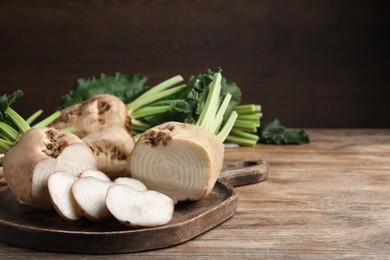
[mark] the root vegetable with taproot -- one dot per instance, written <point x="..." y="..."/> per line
<point x="39" y="153"/>
<point x="183" y="161"/>
<point x="32" y="154"/>
<point x="112" y="147"/>
<point x="93" y="115"/>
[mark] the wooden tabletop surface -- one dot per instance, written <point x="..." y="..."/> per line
<point x="327" y="199"/>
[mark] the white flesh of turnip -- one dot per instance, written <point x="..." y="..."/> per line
<point x="112" y="147"/>
<point x="60" y="189"/>
<point x="90" y="194"/>
<point x="39" y="153"/>
<point x="180" y="160"/>
<point x="94" y="114"/>
<point x="139" y="208"/>
<point x="131" y="182"/>
<point x="94" y="173"/>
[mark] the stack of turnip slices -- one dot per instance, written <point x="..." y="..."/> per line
<point x="94" y="196"/>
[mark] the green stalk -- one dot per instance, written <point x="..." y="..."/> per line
<point x="5" y="145"/>
<point x="211" y="104"/>
<point x="247" y="109"/>
<point x="45" y="122"/>
<point x="138" y="126"/>
<point x="224" y="132"/>
<point x="240" y="140"/>
<point x="246" y="125"/>
<point x="148" y="99"/>
<point x="243" y="134"/>
<point x="34" y="116"/>
<point x="221" y="111"/>
<point x="255" y="117"/>
<point x="18" y="120"/>
<point x="150" y="110"/>
<point x="163" y="86"/>
<point x="70" y="129"/>
<point x="7" y="132"/>
<point x="211" y="116"/>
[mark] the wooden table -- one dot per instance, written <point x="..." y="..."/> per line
<point x="327" y="199"/>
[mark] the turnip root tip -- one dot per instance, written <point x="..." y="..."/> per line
<point x="139" y="208"/>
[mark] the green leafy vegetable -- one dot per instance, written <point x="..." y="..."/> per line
<point x="167" y="102"/>
<point x="12" y="125"/>
<point x="275" y="133"/>
<point x="198" y="90"/>
<point x="125" y="87"/>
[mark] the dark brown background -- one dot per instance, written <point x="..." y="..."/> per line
<point x="311" y="63"/>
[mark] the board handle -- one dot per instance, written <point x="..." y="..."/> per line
<point x="245" y="172"/>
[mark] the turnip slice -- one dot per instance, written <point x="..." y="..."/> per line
<point x="90" y="194"/>
<point x="95" y="173"/>
<point x="112" y="147"/>
<point x="139" y="208"/>
<point x="131" y="182"/>
<point x="73" y="159"/>
<point x="39" y="181"/>
<point x="94" y="114"/>
<point x="38" y="153"/>
<point x="60" y="190"/>
<point x="180" y="160"/>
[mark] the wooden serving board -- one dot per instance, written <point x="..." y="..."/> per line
<point x="23" y="226"/>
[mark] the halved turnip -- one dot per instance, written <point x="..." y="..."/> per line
<point x="95" y="173"/>
<point x="90" y="194"/>
<point x="112" y="147"/>
<point x="139" y="208"/>
<point x="40" y="152"/>
<point x="131" y="182"/>
<point x="60" y="190"/>
<point x="94" y="114"/>
<point x="180" y="160"/>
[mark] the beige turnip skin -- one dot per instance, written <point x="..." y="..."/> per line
<point x="182" y="161"/>
<point x="94" y="114"/>
<point x="39" y="146"/>
<point x="112" y="147"/>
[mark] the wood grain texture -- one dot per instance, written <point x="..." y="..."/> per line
<point x="27" y="227"/>
<point x="325" y="200"/>
<point x="310" y="63"/>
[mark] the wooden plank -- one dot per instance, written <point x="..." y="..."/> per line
<point x="24" y="226"/>
<point x="325" y="200"/>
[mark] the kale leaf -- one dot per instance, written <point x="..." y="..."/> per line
<point x="5" y="103"/>
<point x="125" y="87"/>
<point x="275" y="133"/>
